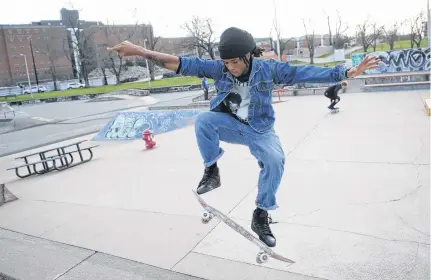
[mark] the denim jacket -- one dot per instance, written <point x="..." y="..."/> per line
<point x="265" y="73"/>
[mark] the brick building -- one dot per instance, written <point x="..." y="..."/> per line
<point x="43" y="43"/>
<point x="176" y="46"/>
<point x="50" y="44"/>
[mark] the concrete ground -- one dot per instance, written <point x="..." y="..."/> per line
<point x="354" y="201"/>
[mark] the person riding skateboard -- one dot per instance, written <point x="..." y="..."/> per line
<point x="332" y="93"/>
<point x="241" y="111"/>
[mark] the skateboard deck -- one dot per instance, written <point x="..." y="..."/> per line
<point x="265" y="251"/>
<point x="333" y="111"/>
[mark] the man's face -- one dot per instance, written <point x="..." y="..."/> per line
<point x="236" y="66"/>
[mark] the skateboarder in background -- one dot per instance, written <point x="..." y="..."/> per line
<point x="205" y="86"/>
<point x="332" y="93"/>
<point x="241" y="112"/>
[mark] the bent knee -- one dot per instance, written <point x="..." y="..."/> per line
<point x="274" y="158"/>
<point x="203" y="118"/>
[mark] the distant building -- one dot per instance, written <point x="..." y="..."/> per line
<point x="46" y="44"/>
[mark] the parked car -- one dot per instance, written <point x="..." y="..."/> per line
<point x="75" y="85"/>
<point x="34" y="89"/>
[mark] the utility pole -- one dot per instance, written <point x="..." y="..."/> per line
<point x="277" y="30"/>
<point x="34" y="65"/>
<point x="428" y="23"/>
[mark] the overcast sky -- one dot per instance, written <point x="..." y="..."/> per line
<point x="252" y="15"/>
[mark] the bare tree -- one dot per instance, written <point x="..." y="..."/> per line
<point x="80" y="49"/>
<point x="114" y="35"/>
<point x="202" y="33"/>
<point x="145" y="34"/>
<point x="377" y="33"/>
<point x="367" y="34"/>
<point x="104" y="63"/>
<point x="310" y="42"/>
<point x="415" y="23"/>
<point x="283" y="44"/>
<point x="390" y="33"/>
<point x="53" y="55"/>
<point x="340" y="30"/>
<point x="330" y="31"/>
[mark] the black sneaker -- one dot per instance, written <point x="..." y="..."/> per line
<point x="260" y="225"/>
<point x="210" y="180"/>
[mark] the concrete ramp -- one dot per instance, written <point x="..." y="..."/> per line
<point x="130" y="125"/>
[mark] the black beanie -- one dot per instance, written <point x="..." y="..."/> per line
<point x="235" y="42"/>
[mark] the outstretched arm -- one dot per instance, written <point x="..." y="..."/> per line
<point x="167" y="61"/>
<point x="288" y="74"/>
<point x="186" y="66"/>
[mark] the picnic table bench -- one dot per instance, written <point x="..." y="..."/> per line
<point x="59" y="158"/>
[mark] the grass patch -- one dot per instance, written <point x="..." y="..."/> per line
<point x="326" y="55"/>
<point x="398" y="45"/>
<point x="177" y="81"/>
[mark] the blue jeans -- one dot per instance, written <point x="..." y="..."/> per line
<point x="213" y="127"/>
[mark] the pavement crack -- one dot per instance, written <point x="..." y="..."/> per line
<point x="361" y="234"/>
<point x="388" y="201"/>
<point x="62" y="274"/>
<point x="412" y="227"/>
<point x="303" y="214"/>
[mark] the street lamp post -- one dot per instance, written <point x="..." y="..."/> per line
<point x="28" y="75"/>
<point x="148" y="69"/>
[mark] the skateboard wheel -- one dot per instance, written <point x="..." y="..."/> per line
<point x="262" y="258"/>
<point x="206" y="217"/>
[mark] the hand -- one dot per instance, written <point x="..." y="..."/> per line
<point x="126" y="49"/>
<point x="369" y="62"/>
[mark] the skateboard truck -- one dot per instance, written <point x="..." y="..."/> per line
<point x="207" y="217"/>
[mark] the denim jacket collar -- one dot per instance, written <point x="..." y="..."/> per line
<point x="255" y="67"/>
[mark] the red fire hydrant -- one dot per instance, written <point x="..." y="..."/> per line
<point x="148" y="136"/>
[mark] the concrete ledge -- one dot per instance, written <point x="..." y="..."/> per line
<point x="396" y="87"/>
<point x="427" y="105"/>
<point x="6" y="196"/>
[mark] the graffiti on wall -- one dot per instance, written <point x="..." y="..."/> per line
<point x="407" y="60"/>
<point x="130" y="125"/>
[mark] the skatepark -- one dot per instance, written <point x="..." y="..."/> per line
<point x="354" y="201"/>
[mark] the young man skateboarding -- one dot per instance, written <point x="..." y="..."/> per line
<point x="241" y="112"/>
<point x="332" y="93"/>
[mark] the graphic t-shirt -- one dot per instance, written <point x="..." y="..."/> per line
<point x="238" y="99"/>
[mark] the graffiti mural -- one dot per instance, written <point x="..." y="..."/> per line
<point x="130" y="125"/>
<point x="407" y="60"/>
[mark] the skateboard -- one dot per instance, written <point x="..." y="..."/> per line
<point x="333" y="111"/>
<point x="265" y="251"/>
